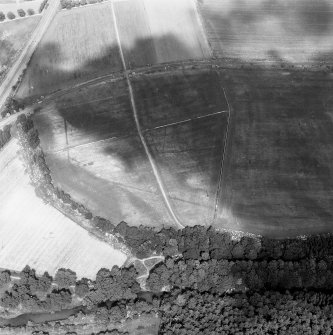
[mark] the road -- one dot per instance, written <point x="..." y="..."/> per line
<point x="22" y="61"/>
<point x="137" y="123"/>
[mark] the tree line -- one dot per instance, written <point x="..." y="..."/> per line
<point x="182" y="310"/>
<point x="5" y="135"/>
<point x="69" y="4"/>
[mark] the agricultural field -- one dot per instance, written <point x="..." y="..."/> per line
<point x="37" y="234"/>
<point x="189" y="156"/>
<point x="94" y="152"/>
<point x="150" y="32"/>
<point x="296" y="32"/>
<point x="13" y="37"/>
<point x="101" y="161"/>
<point x="165" y="98"/>
<point x="185" y="117"/>
<point x="278" y="177"/>
<point x="94" y="113"/>
<point x="79" y="45"/>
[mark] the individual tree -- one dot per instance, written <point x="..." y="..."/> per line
<point x="5" y="135"/>
<point x="44" y="282"/>
<point x="21" y="12"/>
<point x="2" y="16"/>
<point x="59" y="299"/>
<point x="33" y="138"/>
<point x="11" y="15"/>
<point x="82" y="287"/>
<point x="4" y="277"/>
<point x="65" y="278"/>
<point x="42" y="6"/>
<point x="30" y="11"/>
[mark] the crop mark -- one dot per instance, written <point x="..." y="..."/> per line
<point x="219" y="184"/>
<point x="137" y="123"/>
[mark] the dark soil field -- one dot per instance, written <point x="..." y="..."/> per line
<point x="91" y="114"/>
<point x="278" y="179"/>
<point x="173" y="97"/>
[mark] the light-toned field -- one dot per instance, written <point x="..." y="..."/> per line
<point x="293" y="31"/>
<point x="79" y="45"/>
<point x="113" y="179"/>
<point x="278" y="177"/>
<point x="159" y="31"/>
<point x="34" y="233"/>
<point x="13" y="37"/>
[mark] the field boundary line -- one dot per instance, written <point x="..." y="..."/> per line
<point x="226" y="137"/>
<point x="143" y="141"/>
<point x="203" y="27"/>
<point x="184" y="121"/>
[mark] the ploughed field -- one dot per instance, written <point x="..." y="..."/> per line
<point x="35" y="233"/>
<point x="13" y="37"/>
<point x="298" y="31"/>
<point x="95" y="153"/>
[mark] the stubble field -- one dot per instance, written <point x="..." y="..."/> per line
<point x="297" y="32"/>
<point x="79" y="45"/>
<point x="34" y="233"/>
